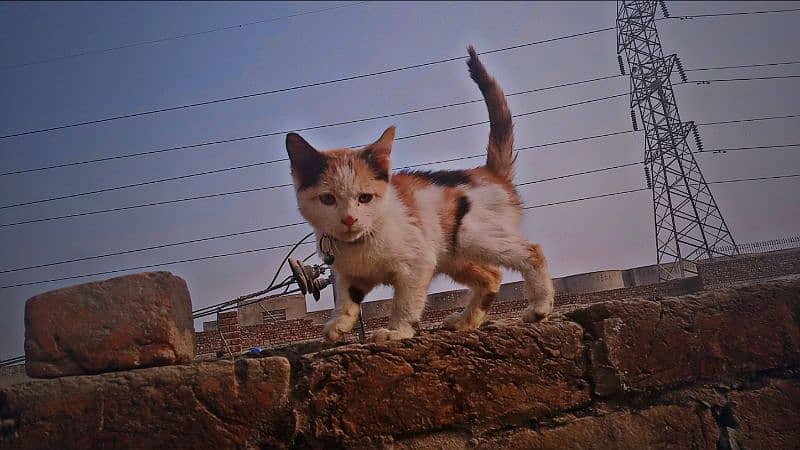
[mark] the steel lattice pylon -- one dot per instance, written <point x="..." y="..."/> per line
<point x="688" y="223"/>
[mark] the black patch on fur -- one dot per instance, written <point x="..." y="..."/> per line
<point x="380" y="173"/>
<point x="487" y="300"/>
<point x="356" y="294"/>
<point x="461" y="210"/>
<point x="448" y="178"/>
<point x="307" y="163"/>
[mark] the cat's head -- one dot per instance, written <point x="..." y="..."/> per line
<point x="342" y="192"/>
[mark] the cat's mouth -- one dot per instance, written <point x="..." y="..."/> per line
<point x="351" y="235"/>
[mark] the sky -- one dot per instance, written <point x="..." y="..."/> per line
<point x="41" y="89"/>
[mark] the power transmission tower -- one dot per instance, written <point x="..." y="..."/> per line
<point x="688" y="223"/>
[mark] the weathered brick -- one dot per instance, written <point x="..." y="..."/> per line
<point x="768" y="418"/>
<point x="203" y="405"/>
<point x="446" y="379"/>
<point x="128" y="322"/>
<point x="647" y="344"/>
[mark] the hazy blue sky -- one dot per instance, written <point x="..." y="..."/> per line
<point x="615" y="232"/>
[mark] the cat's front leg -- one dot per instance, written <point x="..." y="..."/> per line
<point x="348" y="308"/>
<point x="410" y="295"/>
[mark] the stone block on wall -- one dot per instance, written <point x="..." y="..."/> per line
<point x="128" y="322"/>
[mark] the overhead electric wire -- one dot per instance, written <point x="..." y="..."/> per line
<point x="591" y="197"/>
<point x="739" y="13"/>
<point x="176" y="37"/>
<point x="541" y="205"/>
<point x="262" y="163"/>
<point x="309" y="128"/>
<point x="240" y="233"/>
<point x="724" y="80"/>
<point x="757" y="147"/>
<point x="412" y="136"/>
<point x="263" y="188"/>
<point x="743" y="66"/>
<point x="358" y="76"/>
<point x="294" y="88"/>
<point x="150" y="266"/>
<point x="364" y="119"/>
<point x="155" y="247"/>
<point x="208" y="238"/>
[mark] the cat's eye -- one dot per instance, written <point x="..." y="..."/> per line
<point x="364" y="198"/>
<point x="327" y="199"/>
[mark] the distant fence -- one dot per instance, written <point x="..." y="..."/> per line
<point x="764" y="246"/>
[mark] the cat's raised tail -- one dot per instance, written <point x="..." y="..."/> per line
<point x="500" y="151"/>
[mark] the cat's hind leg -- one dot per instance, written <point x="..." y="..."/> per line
<point x="484" y="283"/>
<point x="509" y="249"/>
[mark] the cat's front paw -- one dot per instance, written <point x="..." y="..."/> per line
<point x="331" y="331"/>
<point x="463" y="321"/>
<point x="384" y="335"/>
<point x="534" y="314"/>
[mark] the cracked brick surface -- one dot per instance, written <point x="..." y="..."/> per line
<point x="128" y="322"/>
<point x="641" y="344"/>
<point x="504" y="372"/>
<point x="768" y="418"/>
<point x="657" y="427"/>
<point x="207" y="405"/>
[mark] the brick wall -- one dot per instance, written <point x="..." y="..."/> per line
<point x="715" y="273"/>
<point x="280" y="333"/>
<point x="726" y="271"/>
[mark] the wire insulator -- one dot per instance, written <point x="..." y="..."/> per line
<point x="621" y="65"/>
<point x="681" y="72"/>
<point x="697" y="140"/>
<point x="633" y="120"/>
<point x="664" y="9"/>
<point x="647" y="178"/>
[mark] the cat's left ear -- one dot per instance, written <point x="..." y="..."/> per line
<point x="378" y="154"/>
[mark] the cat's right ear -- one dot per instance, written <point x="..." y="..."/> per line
<point x="307" y="163"/>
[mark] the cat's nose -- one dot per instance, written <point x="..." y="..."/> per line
<point x="349" y="221"/>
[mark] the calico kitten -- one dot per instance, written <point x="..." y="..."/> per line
<point x="401" y="229"/>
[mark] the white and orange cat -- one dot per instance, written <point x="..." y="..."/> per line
<point x="401" y="229"/>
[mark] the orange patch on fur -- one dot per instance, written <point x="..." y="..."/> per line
<point x="537" y="258"/>
<point x="479" y="276"/>
<point x="405" y="185"/>
<point x="482" y="176"/>
<point x="482" y="278"/>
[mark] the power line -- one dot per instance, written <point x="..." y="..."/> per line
<point x="262" y="163"/>
<point x="313" y="127"/>
<point x="240" y="233"/>
<point x="144" y="205"/>
<point x="154" y="247"/>
<point x="176" y="37"/>
<point x="725" y="80"/>
<point x="224" y="255"/>
<point x="743" y="66"/>
<point x="592" y="197"/>
<point x="263" y="188"/>
<point x="150" y="266"/>
<point x="774" y="177"/>
<point x="162" y="180"/>
<point x="354" y="77"/>
<point x="741" y="13"/>
<point x="353" y="121"/>
<point x="757" y="147"/>
<point x="292" y="88"/>
<point x="752" y="119"/>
